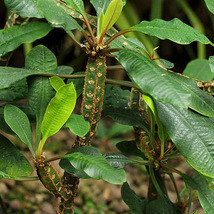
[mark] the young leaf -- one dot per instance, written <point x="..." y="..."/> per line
<point x="56" y="15"/>
<point x="56" y="83"/>
<point x="192" y="134"/>
<point x="13" y="37"/>
<point x="111" y="15"/>
<point x="58" y="111"/>
<point x="210" y="5"/>
<point x="78" y="125"/>
<point x="97" y="167"/>
<point x="40" y="92"/>
<point x="199" y="69"/>
<point x="25" y="8"/>
<point x="19" y="123"/>
<point x="77" y="5"/>
<point x="174" y="30"/>
<point x="12" y="161"/>
<point x="136" y="204"/>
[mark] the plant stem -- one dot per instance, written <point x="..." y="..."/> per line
<point x="120" y="33"/>
<point x="27" y="48"/>
<point x="73" y="38"/>
<point x="27" y="178"/>
<point x="53" y="159"/>
<point x="89" y="28"/>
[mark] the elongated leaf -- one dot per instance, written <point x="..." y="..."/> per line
<point x="205" y="194"/>
<point x="165" y="86"/>
<point x="96" y="166"/>
<point x="77" y="5"/>
<point x="25" y="8"/>
<point x="19" y="123"/>
<point x="12" y="161"/>
<point x="58" y="111"/>
<point x="192" y="134"/>
<point x="56" y="83"/>
<point x="118" y="160"/>
<point x="199" y="69"/>
<point x="13" y="37"/>
<point x="126" y="117"/>
<point x="77" y="124"/>
<point x="162" y="206"/>
<point x="66" y="165"/>
<point x="210" y="5"/>
<point x="136" y="204"/>
<point x="152" y="79"/>
<point x="111" y="15"/>
<point x="15" y="92"/>
<point x="40" y="59"/>
<point x="56" y="15"/>
<point x="64" y="70"/>
<point x="174" y="30"/>
<point x="101" y="6"/>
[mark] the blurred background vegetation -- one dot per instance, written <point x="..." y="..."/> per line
<point x="100" y="197"/>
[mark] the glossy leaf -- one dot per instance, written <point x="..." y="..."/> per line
<point x="129" y="148"/>
<point x="111" y="15"/>
<point x="192" y="134"/>
<point x="3" y="125"/>
<point x="77" y="124"/>
<point x="174" y="30"/>
<point x="56" y="83"/>
<point x="134" y="44"/>
<point x="210" y="5"/>
<point x="19" y="123"/>
<point x="15" y="92"/>
<point x="101" y="6"/>
<point x="199" y="69"/>
<point x="56" y="15"/>
<point x="26" y="8"/>
<point x="162" y="206"/>
<point x="12" y="161"/>
<point x="42" y="60"/>
<point x="165" y="86"/>
<point x="58" y="111"/>
<point x="77" y="5"/>
<point x="13" y="37"/>
<point x="96" y="166"/>
<point x="118" y="160"/>
<point x="136" y="204"/>
<point x="64" y="70"/>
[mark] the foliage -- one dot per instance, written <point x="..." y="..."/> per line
<point x="168" y="112"/>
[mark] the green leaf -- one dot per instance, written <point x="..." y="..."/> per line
<point x="66" y="165"/>
<point x="118" y="129"/>
<point x="19" y="123"/>
<point x="211" y="63"/>
<point x="199" y="69"/>
<point x="111" y="15"/>
<point x="210" y="5"/>
<point x="96" y="166"/>
<point x="77" y="5"/>
<point x="126" y="117"/>
<point x="64" y="70"/>
<point x="12" y="161"/>
<point x="129" y="148"/>
<point x="101" y="6"/>
<point x="166" y="64"/>
<point x="162" y="206"/>
<point x="15" y="92"/>
<point x="56" y="83"/>
<point x="26" y="8"/>
<point x="136" y="204"/>
<point x="161" y="129"/>
<point x="13" y="37"/>
<point x="174" y="30"/>
<point x="56" y="15"/>
<point x="118" y="160"/>
<point x="58" y="111"/>
<point x="42" y="60"/>
<point x="77" y="124"/>
<point x="3" y="125"/>
<point x="192" y="134"/>
<point x="134" y="44"/>
<point x="116" y="97"/>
